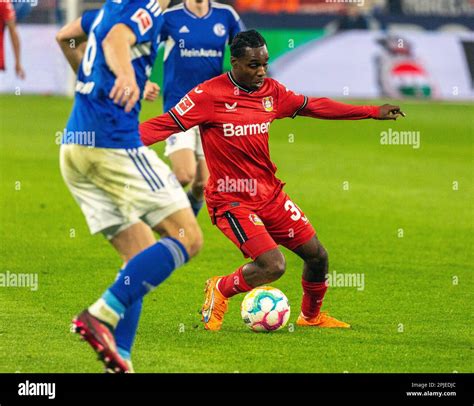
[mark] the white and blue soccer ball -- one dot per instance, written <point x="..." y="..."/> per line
<point x="265" y="309"/>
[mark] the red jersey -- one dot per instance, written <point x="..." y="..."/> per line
<point x="7" y="13"/>
<point x="234" y="124"/>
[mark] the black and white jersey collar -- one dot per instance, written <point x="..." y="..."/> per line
<point x="234" y="82"/>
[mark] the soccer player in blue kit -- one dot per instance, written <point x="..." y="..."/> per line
<point x="123" y="189"/>
<point x="195" y="34"/>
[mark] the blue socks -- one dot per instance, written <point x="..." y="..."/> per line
<point x="196" y="204"/>
<point x="120" y="306"/>
<point x="127" y="329"/>
<point x="144" y="272"/>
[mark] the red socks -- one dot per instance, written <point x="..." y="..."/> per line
<point x="233" y="284"/>
<point x="313" y="294"/>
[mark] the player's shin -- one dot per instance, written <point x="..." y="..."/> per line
<point x="127" y="329"/>
<point x="313" y="295"/>
<point x="143" y="273"/>
<point x="314" y="284"/>
<point x="233" y="284"/>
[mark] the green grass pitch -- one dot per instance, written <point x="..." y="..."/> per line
<point x="398" y="216"/>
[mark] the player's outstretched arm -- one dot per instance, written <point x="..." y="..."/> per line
<point x="332" y="110"/>
<point x="116" y="46"/>
<point x="72" y="41"/>
<point x="196" y="108"/>
<point x="158" y="129"/>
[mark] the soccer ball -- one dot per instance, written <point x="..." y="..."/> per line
<point x="265" y="309"/>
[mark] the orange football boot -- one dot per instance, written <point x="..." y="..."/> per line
<point x="215" y="305"/>
<point x="321" y="320"/>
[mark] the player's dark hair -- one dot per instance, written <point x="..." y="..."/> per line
<point x="244" y="40"/>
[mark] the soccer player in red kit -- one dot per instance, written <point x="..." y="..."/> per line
<point x="7" y="18"/>
<point x="245" y="199"/>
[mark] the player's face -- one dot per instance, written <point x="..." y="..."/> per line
<point x="251" y="69"/>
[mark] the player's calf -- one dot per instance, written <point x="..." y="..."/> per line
<point x="266" y="268"/>
<point x="316" y="264"/>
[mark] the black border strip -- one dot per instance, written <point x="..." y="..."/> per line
<point x="173" y="116"/>
<point x="305" y="103"/>
<point x="236" y="227"/>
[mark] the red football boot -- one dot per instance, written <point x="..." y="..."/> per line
<point x="101" y="339"/>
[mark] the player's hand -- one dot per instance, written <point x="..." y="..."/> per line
<point x="152" y="91"/>
<point x="125" y="91"/>
<point x="390" y="112"/>
<point x="19" y="71"/>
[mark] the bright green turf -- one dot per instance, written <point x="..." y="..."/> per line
<point x="408" y="280"/>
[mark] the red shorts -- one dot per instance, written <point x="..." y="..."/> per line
<point x="256" y="231"/>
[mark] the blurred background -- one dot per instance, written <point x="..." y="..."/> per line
<point x="353" y="48"/>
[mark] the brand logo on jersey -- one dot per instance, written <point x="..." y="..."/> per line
<point x="200" y="53"/>
<point x="219" y="30"/>
<point x="268" y="103"/>
<point x="184" y="30"/>
<point x="255" y="219"/>
<point x="247" y="129"/>
<point x="230" y="107"/>
<point x="197" y="90"/>
<point x="184" y="105"/>
<point x="143" y="20"/>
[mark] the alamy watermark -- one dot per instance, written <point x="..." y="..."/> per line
<point x="19" y="280"/>
<point x="37" y="389"/>
<point x="85" y="138"/>
<point x="391" y="137"/>
<point x="230" y="185"/>
<point x="346" y="280"/>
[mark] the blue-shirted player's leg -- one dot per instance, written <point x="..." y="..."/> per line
<point x="127" y="329"/>
<point x="142" y="273"/>
<point x="128" y="243"/>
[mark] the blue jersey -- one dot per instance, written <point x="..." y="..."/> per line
<point x="194" y="47"/>
<point x="94" y="115"/>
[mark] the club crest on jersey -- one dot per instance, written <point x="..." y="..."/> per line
<point x="268" y="103"/>
<point x="255" y="219"/>
<point x="219" y="30"/>
<point x="143" y="20"/>
<point x="184" y="105"/>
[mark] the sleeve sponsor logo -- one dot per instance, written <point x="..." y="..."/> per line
<point x="143" y="20"/>
<point x="184" y="105"/>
